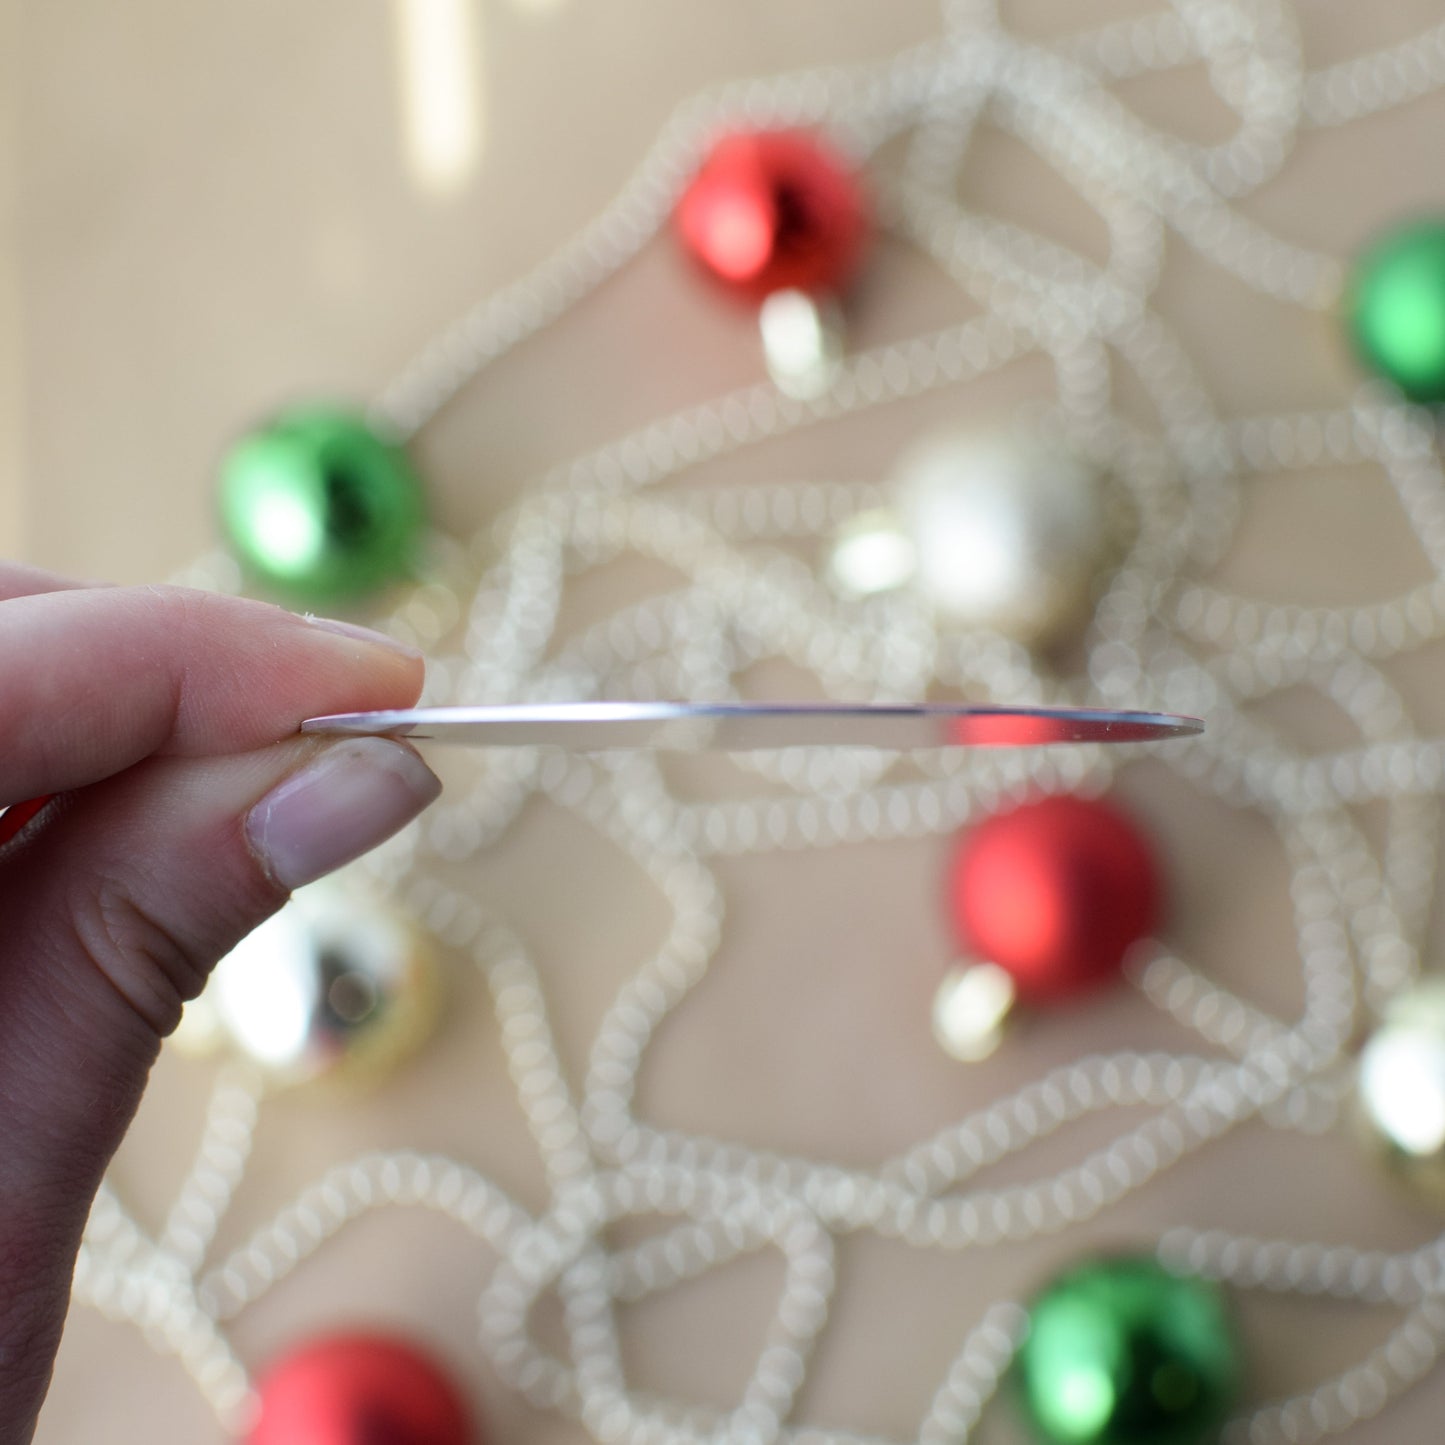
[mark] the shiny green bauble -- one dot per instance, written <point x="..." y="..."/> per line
<point x="320" y="508"/>
<point x="1121" y="1352"/>
<point x="1397" y="309"/>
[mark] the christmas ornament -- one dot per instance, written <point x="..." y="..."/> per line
<point x="1401" y="1086"/>
<point x="358" y="1389"/>
<point x="1121" y="1352"/>
<point x="1054" y="892"/>
<point x="1008" y="532"/>
<point x="334" y="984"/>
<point x="774" y="211"/>
<point x="1396" y="309"/>
<point x="321" y="507"/>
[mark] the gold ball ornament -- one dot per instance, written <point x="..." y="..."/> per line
<point x="1009" y="532"/>
<point x="336" y="985"/>
<point x="1401" y="1088"/>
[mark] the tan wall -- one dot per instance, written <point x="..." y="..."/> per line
<point x="12" y="531"/>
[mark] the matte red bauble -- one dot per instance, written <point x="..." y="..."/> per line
<point x="358" y="1389"/>
<point x="1055" y="892"/>
<point x="772" y="211"/>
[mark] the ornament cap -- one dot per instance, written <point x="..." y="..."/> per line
<point x="802" y="342"/>
<point x="970" y="1009"/>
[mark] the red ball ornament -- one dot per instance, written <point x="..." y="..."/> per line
<point x="358" y="1389"/>
<point x="772" y="211"/>
<point x="1055" y="892"/>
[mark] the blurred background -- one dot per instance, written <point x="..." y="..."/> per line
<point x="207" y="212"/>
<point x="216" y="213"/>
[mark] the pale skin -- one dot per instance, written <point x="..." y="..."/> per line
<point x="165" y="722"/>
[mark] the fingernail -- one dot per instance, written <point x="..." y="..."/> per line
<point x="360" y="634"/>
<point x="349" y="798"/>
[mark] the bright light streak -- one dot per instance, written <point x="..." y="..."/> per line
<point x="439" y="55"/>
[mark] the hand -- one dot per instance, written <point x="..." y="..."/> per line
<point x="187" y="807"/>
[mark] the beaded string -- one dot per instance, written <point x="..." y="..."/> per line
<point x="1162" y="636"/>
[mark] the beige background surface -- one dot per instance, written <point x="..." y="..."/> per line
<point x="214" y="214"/>
<point x="12" y="490"/>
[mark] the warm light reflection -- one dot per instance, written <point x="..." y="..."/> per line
<point x="439" y="55"/>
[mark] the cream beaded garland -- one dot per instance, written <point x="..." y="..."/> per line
<point x="1162" y="635"/>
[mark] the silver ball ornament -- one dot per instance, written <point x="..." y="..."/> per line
<point x="336" y="984"/>
<point x="1009" y="531"/>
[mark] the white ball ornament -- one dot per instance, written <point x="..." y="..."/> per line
<point x="1008" y="532"/>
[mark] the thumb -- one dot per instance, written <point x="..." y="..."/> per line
<point x="116" y="903"/>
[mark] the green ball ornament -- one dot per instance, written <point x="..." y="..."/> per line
<point x="1396" y="309"/>
<point x="1121" y="1352"/>
<point x="320" y="508"/>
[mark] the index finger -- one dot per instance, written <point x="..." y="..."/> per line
<point x="93" y="680"/>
